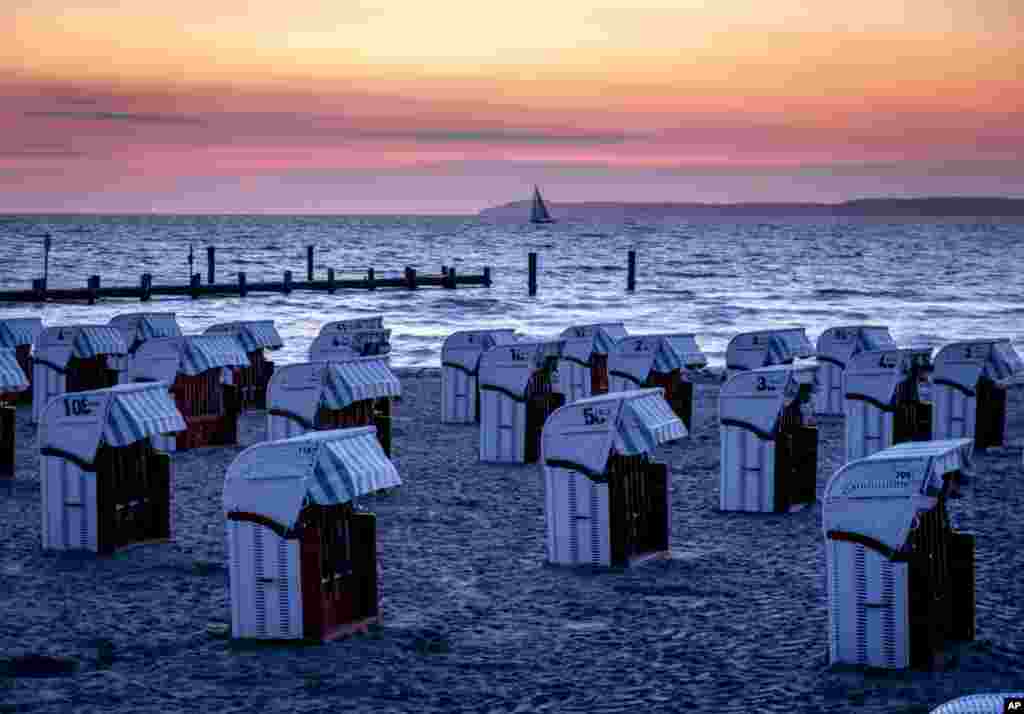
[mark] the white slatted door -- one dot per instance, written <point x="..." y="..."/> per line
<point x="502" y="428"/>
<point x="574" y="380"/>
<point x="954" y="413"/>
<point x="46" y="384"/>
<point x="868" y="607"/>
<point x="747" y="480"/>
<point x="75" y="497"/>
<point x="458" y="397"/>
<point x="589" y="541"/>
<point x="265" y="583"/>
<point x="868" y="429"/>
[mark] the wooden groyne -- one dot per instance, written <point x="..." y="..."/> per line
<point x="146" y="289"/>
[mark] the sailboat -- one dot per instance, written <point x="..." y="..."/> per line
<point x="539" y="212"/>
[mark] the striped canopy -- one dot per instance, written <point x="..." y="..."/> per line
<point x="135" y="414"/>
<point x="274" y="479"/>
<point x="253" y="334"/>
<point x="356" y="380"/>
<point x="202" y="352"/>
<point x="581" y="341"/>
<point x="77" y="423"/>
<point x="12" y="377"/>
<point x="18" y="331"/>
<point x="581" y="435"/>
<point x="376" y="322"/>
<point x="95" y="340"/>
<point x="645" y="423"/>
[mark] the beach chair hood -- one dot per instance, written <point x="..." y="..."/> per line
<point x="581" y="435"/>
<point x="164" y="358"/>
<point x="750" y="350"/>
<point x="301" y="389"/>
<point x="12" y="376"/>
<point x="582" y="341"/>
<point x="18" y="331"/>
<point x="636" y="356"/>
<point x="877" y="498"/>
<point x="462" y="349"/>
<point x="962" y="364"/>
<point x="329" y="346"/>
<point x="755" y="400"/>
<point x="354" y="324"/>
<point x="137" y="327"/>
<point x="76" y="424"/>
<point x="873" y="376"/>
<point x="252" y="334"/>
<point x="276" y="479"/>
<point x="838" y="345"/>
<point x="508" y="368"/>
<point x="978" y="704"/>
<point x="57" y="345"/>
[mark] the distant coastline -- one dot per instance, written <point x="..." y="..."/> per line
<point x="932" y="207"/>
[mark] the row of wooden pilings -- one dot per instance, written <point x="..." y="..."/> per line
<point x="630" y="272"/>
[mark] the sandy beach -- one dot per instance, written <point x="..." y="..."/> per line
<point x="475" y="621"/>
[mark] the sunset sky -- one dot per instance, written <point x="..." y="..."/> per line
<point x="389" y="106"/>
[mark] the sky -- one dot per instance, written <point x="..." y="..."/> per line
<point x="395" y="106"/>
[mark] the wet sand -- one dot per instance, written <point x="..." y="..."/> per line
<point x="474" y="620"/>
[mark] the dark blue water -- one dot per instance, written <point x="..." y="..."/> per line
<point x="929" y="282"/>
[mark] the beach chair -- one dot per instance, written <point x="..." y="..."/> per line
<point x="769" y="451"/>
<point x="12" y="383"/>
<point x="607" y="503"/>
<point x="883" y="404"/>
<point x="256" y="338"/>
<point x="969" y="392"/>
<point x="667" y="361"/>
<point x="199" y="372"/>
<point x="104" y="485"/>
<point x="765" y="348"/>
<point x="302" y="558"/>
<point x="517" y="394"/>
<point x="75" y="358"/>
<point x="583" y="367"/>
<point x="836" y="347"/>
<point x="460" y="362"/>
<point x="19" y="334"/>
<point x="900" y="579"/>
<point x="316" y="396"/>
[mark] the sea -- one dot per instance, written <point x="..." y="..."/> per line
<point x="929" y="282"/>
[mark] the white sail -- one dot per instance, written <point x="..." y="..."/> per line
<point x="539" y="212"/>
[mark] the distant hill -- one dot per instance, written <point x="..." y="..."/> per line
<point x="938" y="207"/>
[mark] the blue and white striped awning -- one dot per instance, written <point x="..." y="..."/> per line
<point x="154" y="325"/>
<point x="253" y="334"/>
<point x="202" y="352"/>
<point x="677" y="352"/>
<point x="350" y="468"/>
<point x="95" y="340"/>
<point x="356" y="380"/>
<point x="979" y="704"/>
<point x="18" y="331"/>
<point x="274" y="479"/>
<point x="645" y="423"/>
<point x="12" y="376"/>
<point x="136" y="414"/>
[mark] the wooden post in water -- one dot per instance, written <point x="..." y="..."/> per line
<point x="532" y="260"/>
<point x="410" y="277"/>
<point x="309" y="263"/>
<point x="330" y="281"/>
<point x="211" y="264"/>
<point x="449" y="278"/>
<point x="241" y="284"/>
<point x="631" y="272"/>
<point x="194" y="282"/>
<point x="487" y="276"/>
<point x="145" y="287"/>
<point x="287" y="282"/>
<point x="371" y="281"/>
<point x="93" y="285"/>
<point x="39" y="288"/>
